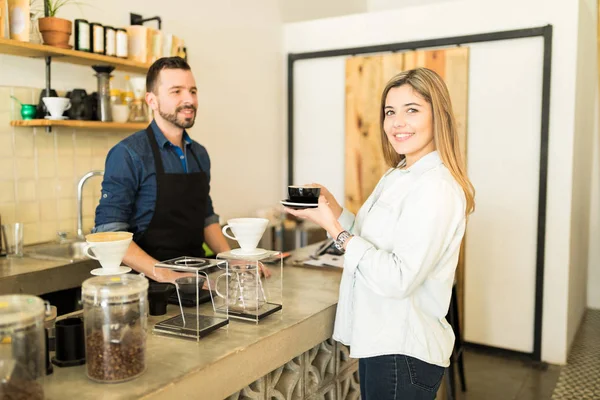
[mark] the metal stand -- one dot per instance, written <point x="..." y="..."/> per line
<point x="187" y="324"/>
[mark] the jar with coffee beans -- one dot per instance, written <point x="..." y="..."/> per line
<point x="115" y="311"/>
<point x="22" y="347"/>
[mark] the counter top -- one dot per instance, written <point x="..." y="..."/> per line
<point x="34" y="276"/>
<point x="228" y="359"/>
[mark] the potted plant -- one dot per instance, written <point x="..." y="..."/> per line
<point x="56" y="31"/>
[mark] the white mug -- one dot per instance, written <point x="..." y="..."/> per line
<point x="247" y="231"/>
<point x="109" y="248"/>
<point x="56" y="105"/>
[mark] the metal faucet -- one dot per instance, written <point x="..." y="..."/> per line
<point x="80" y="200"/>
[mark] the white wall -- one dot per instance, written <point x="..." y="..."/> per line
<point x="304" y="10"/>
<point x="465" y="17"/>
<point x="234" y="49"/>
<point x="593" y="283"/>
<point x="585" y="110"/>
<point x="503" y="147"/>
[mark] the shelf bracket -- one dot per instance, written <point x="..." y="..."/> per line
<point x="137" y="19"/>
<point x="48" y="75"/>
<point x="48" y="65"/>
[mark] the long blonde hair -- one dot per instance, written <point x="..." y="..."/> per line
<point x="432" y="88"/>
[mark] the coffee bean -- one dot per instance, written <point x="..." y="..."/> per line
<point x="20" y="389"/>
<point x="113" y="362"/>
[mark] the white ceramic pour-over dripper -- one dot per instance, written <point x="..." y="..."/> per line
<point x="109" y="248"/>
<point x="247" y="232"/>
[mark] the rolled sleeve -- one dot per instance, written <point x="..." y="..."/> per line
<point x="211" y="219"/>
<point x="119" y="187"/>
<point x="112" y="227"/>
<point x="356" y="248"/>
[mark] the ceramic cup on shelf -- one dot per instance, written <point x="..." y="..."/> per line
<point x="56" y="106"/>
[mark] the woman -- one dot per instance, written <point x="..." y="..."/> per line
<point x="401" y="250"/>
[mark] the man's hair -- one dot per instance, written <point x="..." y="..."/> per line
<point x="159" y="65"/>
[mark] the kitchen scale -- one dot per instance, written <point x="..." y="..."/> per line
<point x="193" y="325"/>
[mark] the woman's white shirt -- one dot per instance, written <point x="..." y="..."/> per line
<point x="399" y="267"/>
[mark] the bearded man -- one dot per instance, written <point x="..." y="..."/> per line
<point x="157" y="181"/>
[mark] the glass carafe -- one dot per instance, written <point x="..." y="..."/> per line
<point x="244" y="291"/>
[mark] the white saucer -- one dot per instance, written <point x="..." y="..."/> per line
<point x="297" y="206"/>
<point x="55" y="118"/>
<point x="104" y="271"/>
<point x="255" y="252"/>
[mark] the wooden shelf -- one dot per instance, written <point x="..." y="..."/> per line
<point x="23" y="49"/>
<point x="131" y="126"/>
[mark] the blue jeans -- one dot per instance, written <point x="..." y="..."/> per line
<point x="398" y="377"/>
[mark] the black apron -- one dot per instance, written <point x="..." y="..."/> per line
<point x="177" y="226"/>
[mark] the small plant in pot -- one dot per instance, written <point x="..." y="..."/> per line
<point x="56" y="31"/>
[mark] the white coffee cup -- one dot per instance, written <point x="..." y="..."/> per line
<point x="247" y="231"/>
<point x="109" y="248"/>
<point x="56" y="105"/>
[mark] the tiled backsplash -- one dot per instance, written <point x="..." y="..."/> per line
<point x="39" y="171"/>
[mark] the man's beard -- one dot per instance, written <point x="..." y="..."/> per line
<point x="182" y="123"/>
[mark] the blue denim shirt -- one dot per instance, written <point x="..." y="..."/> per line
<point x="129" y="186"/>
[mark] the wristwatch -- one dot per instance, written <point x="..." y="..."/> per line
<point x="341" y="240"/>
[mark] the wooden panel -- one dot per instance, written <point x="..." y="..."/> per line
<point x="134" y="126"/>
<point x="34" y="50"/>
<point x="365" y="79"/>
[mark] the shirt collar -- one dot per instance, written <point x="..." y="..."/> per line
<point x="425" y="163"/>
<point x="162" y="141"/>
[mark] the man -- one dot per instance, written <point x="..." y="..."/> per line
<point x="157" y="181"/>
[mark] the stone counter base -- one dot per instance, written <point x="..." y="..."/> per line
<point x="324" y="372"/>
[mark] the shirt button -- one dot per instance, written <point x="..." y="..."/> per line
<point x="104" y="195"/>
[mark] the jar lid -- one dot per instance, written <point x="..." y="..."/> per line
<point x="114" y="289"/>
<point x="20" y="310"/>
<point x="109" y="27"/>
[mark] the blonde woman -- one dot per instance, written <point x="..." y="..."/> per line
<point x="401" y="249"/>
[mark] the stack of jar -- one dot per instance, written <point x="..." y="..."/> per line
<point x="96" y="38"/>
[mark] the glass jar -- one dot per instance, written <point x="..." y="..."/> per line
<point x="22" y="346"/>
<point x="82" y="35"/>
<point x="110" y="41"/>
<point x="115" y="97"/>
<point x="127" y="98"/>
<point x="97" y="38"/>
<point x="121" y="43"/>
<point x="115" y="311"/>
